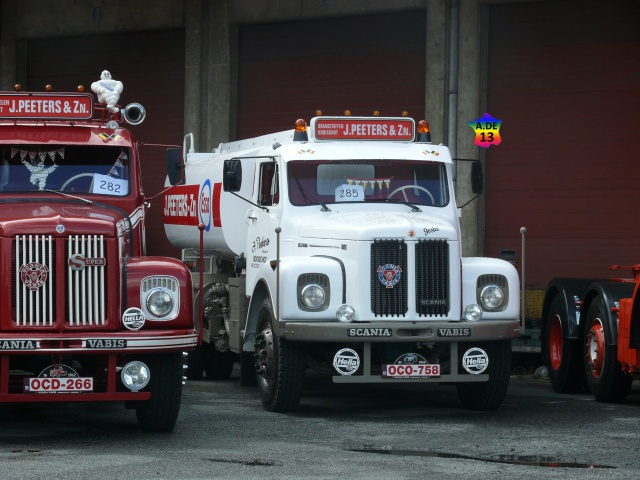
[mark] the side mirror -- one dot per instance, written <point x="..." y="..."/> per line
<point x="477" y="178"/>
<point x="174" y="165"/>
<point x="232" y="175"/>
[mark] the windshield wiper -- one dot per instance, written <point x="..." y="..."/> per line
<point x="311" y="200"/>
<point x="69" y="196"/>
<point x="408" y="204"/>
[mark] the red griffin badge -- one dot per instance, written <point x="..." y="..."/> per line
<point x="34" y="275"/>
<point x="389" y="274"/>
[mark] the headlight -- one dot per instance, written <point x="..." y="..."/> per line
<point x="492" y="292"/>
<point x="313" y="296"/>
<point x="135" y="375"/>
<point x="160" y="297"/>
<point x="159" y="303"/>
<point x="345" y="313"/>
<point x="492" y="297"/>
<point x="313" y="291"/>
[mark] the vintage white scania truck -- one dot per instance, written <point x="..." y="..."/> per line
<point x="335" y="247"/>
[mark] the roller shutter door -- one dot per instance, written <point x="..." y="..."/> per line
<point x="289" y="70"/>
<point x="565" y="81"/>
<point x="151" y="67"/>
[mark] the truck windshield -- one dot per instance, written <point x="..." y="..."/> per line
<point x="322" y="182"/>
<point x="100" y="170"/>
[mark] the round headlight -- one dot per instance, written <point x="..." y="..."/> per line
<point x="312" y="296"/>
<point x="135" y="375"/>
<point x="345" y="313"/>
<point x="472" y="313"/>
<point x="492" y="297"/>
<point x="159" y="303"/>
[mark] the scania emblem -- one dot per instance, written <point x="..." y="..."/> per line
<point x="33" y="275"/>
<point x="78" y="261"/>
<point x="60" y="228"/>
<point x="389" y="274"/>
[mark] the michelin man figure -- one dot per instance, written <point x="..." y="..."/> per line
<point x="108" y="90"/>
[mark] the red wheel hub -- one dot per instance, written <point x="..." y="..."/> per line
<point x="555" y="343"/>
<point x="595" y="347"/>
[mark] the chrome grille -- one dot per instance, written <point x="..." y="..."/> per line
<point x="86" y="286"/>
<point x="36" y="280"/>
<point x="34" y="303"/>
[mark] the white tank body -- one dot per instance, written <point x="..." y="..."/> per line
<point x="201" y="200"/>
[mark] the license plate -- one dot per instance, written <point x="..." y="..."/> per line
<point x="58" y="385"/>
<point x="411" y="371"/>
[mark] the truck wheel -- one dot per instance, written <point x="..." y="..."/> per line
<point x="160" y="412"/>
<point x="280" y="365"/>
<point x="604" y="373"/>
<point x="562" y="355"/>
<point x="219" y="364"/>
<point x="196" y="362"/>
<point x="489" y="395"/>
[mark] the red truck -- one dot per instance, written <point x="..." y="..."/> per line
<point x="85" y="316"/>
<point x="591" y="335"/>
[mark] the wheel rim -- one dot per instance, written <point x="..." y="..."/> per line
<point x="265" y="355"/>
<point x="555" y="342"/>
<point x="595" y="347"/>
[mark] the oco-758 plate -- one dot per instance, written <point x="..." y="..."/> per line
<point x="411" y="371"/>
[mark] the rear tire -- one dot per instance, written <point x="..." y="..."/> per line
<point x="605" y="377"/>
<point x="160" y="412"/>
<point x="280" y="365"/>
<point x="563" y="356"/>
<point x="489" y="395"/>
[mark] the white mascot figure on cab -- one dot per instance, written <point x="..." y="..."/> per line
<point x="108" y="90"/>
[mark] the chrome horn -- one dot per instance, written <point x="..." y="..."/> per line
<point x="134" y="113"/>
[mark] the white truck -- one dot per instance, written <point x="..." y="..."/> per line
<point x="336" y="247"/>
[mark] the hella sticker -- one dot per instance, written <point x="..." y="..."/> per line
<point x="346" y="361"/>
<point x="133" y="318"/>
<point x="475" y="360"/>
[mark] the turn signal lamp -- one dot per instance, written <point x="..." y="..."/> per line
<point x="423" y="132"/>
<point x="300" y="131"/>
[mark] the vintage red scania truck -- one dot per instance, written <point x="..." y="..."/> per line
<point x="84" y="316"/>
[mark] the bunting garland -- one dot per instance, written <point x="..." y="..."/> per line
<point x="365" y="182"/>
<point x="41" y="155"/>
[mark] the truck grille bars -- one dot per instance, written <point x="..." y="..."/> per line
<point x="390" y="274"/>
<point x="36" y="272"/>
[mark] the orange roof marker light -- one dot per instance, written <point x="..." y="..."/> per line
<point x="300" y="131"/>
<point x="318" y="113"/>
<point x="376" y="113"/>
<point x="81" y="88"/>
<point x="17" y="87"/>
<point x="48" y="88"/>
<point x="424" y="136"/>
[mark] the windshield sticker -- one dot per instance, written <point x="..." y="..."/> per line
<point x="106" y="185"/>
<point x="37" y="164"/>
<point x="107" y="138"/>
<point x="487" y="131"/>
<point x="346" y="193"/>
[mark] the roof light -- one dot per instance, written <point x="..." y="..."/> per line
<point x="405" y="113"/>
<point x="17" y="87"/>
<point x="48" y="88"/>
<point x="81" y="88"/>
<point x="423" y="132"/>
<point x="347" y="113"/>
<point x="318" y="113"/>
<point x="300" y="131"/>
<point x="376" y="113"/>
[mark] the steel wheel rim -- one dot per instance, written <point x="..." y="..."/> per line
<point x="595" y="347"/>
<point x="265" y="355"/>
<point x="555" y="343"/>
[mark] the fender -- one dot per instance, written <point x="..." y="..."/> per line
<point x="568" y="289"/>
<point x="474" y="267"/>
<point x="611" y="292"/>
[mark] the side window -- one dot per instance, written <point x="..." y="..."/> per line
<point x="269" y="193"/>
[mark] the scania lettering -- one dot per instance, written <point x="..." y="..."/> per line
<point x="335" y="247"/>
<point x="85" y="316"/>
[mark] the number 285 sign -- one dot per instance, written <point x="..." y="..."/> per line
<point x="350" y="193"/>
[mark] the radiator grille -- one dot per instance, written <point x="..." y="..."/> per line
<point x="432" y="277"/>
<point x="389" y="278"/>
<point x="36" y="280"/>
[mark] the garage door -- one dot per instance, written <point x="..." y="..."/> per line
<point x="565" y="81"/>
<point x="151" y="67"/>
<point x="289" y="70"/>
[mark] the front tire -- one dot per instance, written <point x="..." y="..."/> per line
<point x="160" y="412"/>
<point x="280" y="365"/>
<point x="489" y="395"/>
<point x="605" y="377"/>
<point x="563" y="356"/>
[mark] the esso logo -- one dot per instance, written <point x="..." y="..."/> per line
<point x="204" y="201"/>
